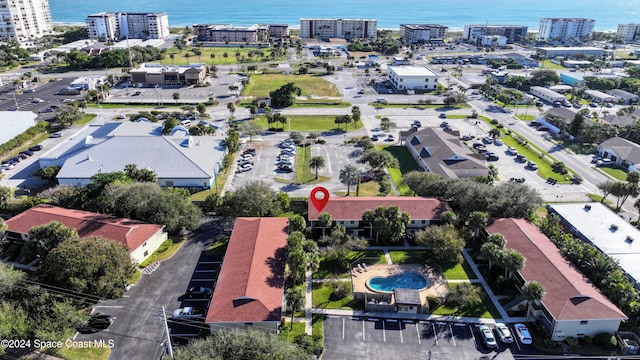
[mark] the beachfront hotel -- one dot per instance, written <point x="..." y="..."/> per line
<point x="325" y="29"/>
<point x="512" y="33"/>
<point x="253" y="34"/>
<point x="628" y="32"/>
<point x="24" y="21"/>
<point x="422" y="33"/>
<point x="115" y="26"/>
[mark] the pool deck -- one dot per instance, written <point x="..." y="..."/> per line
<point x="437" y="285"/>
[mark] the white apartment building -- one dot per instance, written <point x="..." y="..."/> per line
<point x="24" y="20"/>
<point x="324" y="29"/>
<point x="513" y="33"/>
<point x="564" y="30"/>
<point x="413" y="78"/>
<point x="422" y="33"/>
<point x="628" y="32"/>
<point x="114" y="26"/>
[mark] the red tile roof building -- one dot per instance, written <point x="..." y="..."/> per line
<point x="142" y="239"/>
<point x="251" y="283"/>
<point x="572" y="306"/>
<point x="347" y="211"/>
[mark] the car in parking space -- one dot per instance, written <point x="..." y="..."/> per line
<point x="466" y="137"/>
<point x="523" y="334"/>
<point x="37" y="100"/>
<point x="531" y="165"/>
<point x="521" y="158"/>
<point x="487" y="336"/>
<point x="512" y="151"/>
<point x="487" y="140"/>
<point x="609" y="105"/>
<point x="417" y="123"/>
<point x="27" y="153"/>
<point x="96" y="323"/>
<point x="492" y="157"/>
<point x="593" y="105"/>
<point x="250" y="151"/>
<point x="121" y="117"/>
<point x="444" y="124"/>
<point x="442" y="116"/>
<point x="199" y="292"/>
<point x="244" y="168"/>
<point x="56" y="134"/>
<point x="35" y="148"/>
<point x="11" y="108"/>
<point x="243" y="163"/>
<point x="28" y="91"/>
<point x="284" y="157"/>
<point x="47" y="110"/>
<point x="286" y="168"/>
<point x="390" y="137"/>
<point x="54" y="107"/>
<point x="498" y="142"/>
<point x="66" y="101"/>
<point x="374" y="138"/>
<point x="604" y="162"/>
<point x="504" y="334"/>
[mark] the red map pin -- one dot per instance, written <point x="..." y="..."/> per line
<point x="319" y="203"/>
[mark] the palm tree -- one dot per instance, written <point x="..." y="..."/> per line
<point x="225" y="56"/>
<point x="512" y="261"/>
<point x="478" y="221"/>
<point x="324" y="221"/>
<point x="532" y="292"/>
<point x="317" y="163"/>
<point x="495" y="133"/>
<point x="490" y="251"/>
<point x="349" y="175"/>
<point x="213" y="57"/>
<point x="172" y="56"/>
<point x="295" y="298"/>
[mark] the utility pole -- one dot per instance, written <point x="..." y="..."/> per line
<point x="166" y="329"/>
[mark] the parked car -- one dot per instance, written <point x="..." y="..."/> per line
<point x="466" y="137"/>
<point x="47" y="110"/>
<point x="593" y="105"/>
<point x="35" y="148"/>
<point x="54" y="107"/>
<point x="199" y="292"/>
<point x="512" y="151"/>
<point x="417" y="123"/>
<point x="243" y="163"/>
<point x="242" y="169"/>
<point x="284" y="167"/>
<point x="28" y="91"/>
<point x="391" y="137"/>
<point x="498" y="142"/>
<point x="492" y="157"/>
<point x="121" y="117"/>
<point x="609" y="105"/>
<point x="487" y="140"/>
<point x="532" y="165"/>
<point x="477" y="145"/>
<point x="251" y="151"/>
<point x="66" y="101"/>
<point x="523" y="334"/>
<point x="37" y="100"/>
<point x="481" y="149"/>
<point x="374" y="138"/>
<point x="56" y="134"/>
<point x="604" y="162"/>
<point x="504" y="334"/>
<point x="284" y="157"/>
<point x="97" y="322"/>
<point x="521" y="158"/>
<point x="136" y="93"/>
<point x="487" y="336"/>
<point x="442" y="116"/>
<point x="444" y="124"/>
<point x="365" y="178"/>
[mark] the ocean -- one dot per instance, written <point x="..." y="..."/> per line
<point x="389" y="13"/>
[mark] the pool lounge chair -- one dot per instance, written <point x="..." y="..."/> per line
<point x="361" y="268"/>
<point x="366" y="268"/>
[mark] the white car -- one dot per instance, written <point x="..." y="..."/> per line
<point x="523" y="334"/>
<point x="487" y="336"/>
<point x="66" y="101"/>
<point x="512" y="151"/>
<point x="56" y="134"/>
<point x="504" y="334"/>
<point x="498" y="142"/>
<point x="37" y="100"/>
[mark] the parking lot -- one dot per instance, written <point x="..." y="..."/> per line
<point x="371" y="338"/>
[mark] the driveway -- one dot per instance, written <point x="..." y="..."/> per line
<point x="378" y="338"/>
<point x="138" y="329"/>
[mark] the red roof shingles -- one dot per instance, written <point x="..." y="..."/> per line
<point x="128" y="232"/>
<point x="569" y="295"/>
<point x="351" y="208"/>
<point x="251" y="282"/>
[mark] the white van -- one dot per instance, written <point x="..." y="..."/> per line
<point x="185" y="123"/>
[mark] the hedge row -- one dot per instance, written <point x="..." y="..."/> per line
<point x="21" y="139"/>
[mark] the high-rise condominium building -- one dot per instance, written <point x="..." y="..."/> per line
<point x="422" y="33"/>
<point x="114" y="26"/>
<point x="564" y="30"/>
<point x="513" y="33"/>
<point x="24" y="20"/>
<point x="628" y="32"/>
<point x="324" y="29"/>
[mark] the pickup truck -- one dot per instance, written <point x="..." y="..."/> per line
<point x="189" y="313"/>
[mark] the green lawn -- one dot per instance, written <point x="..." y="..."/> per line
<point x="309" y="123"/>
<point x="416" y="106"/>
<point x="165" y="251"/>
<point x="548" y="65"/>
<point x="85" y="119"/>
<point x="408" y="257"/>
<point x="124" y="106"/>
<point x="407" y="164"/>
<point x="333" y="268"/>
<point x="180" y="57"/>
<point x="219" y="247"/>
<point x="484" y="309"/>
<point x="321" y="298"/>
<point x="304" y="173"/>
<point x="287" y="333"/>
<point x="459" y="272"/>
<point x="262" y="85"/>
<point x="598" y="198"/>
<point x="370" y="188"/>
<point x="616" y="172"/>
<point x="92" y="353"/>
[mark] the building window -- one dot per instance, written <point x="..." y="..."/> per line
<point x="584" y="322"/>
<point x="146" y="253"/>
<point x="352" y="222"/>
<point x="145" y="244"/>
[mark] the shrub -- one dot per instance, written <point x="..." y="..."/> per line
<point x="321" y="141"/>
<point x="434" y="302"/>
<point x="586" y="340"/>
<point x="340" y="290"/>
<point x="165" y="246"/>
<point x="606" y="340"/>
<point x="494" y="121"/>
<point x="571" y="341"/>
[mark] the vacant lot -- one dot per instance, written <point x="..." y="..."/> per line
<point x="311" y="85"/>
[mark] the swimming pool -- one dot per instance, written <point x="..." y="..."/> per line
<point x="405" y="280"/>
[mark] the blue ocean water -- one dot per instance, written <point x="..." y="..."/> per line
<point x="389" y="13"/>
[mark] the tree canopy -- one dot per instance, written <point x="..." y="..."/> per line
<point x="444" y="241"/>
<point x="255" y="198"/>
<point x="285" y="95"/>
<point x="95" y="266"/>
<point x="389" y="224"/>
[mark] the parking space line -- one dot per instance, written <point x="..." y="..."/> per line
<point x="435" y="333"/>
<point x="384" y="334"/>
<point x="364" y="336"/>
<point x="400" y="330"/>
<point x="472" y="335"/>
<point x="342" y="328"/>
<point x="453" y="337"/>
<point x="418" y="331"/>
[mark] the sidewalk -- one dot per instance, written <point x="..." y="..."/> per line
<point x="492" y="296"/>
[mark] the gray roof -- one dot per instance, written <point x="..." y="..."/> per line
<point x="407" y="296"/>
<point x="564" y="113"/>
<point x="14" y="123"/>
<point x="619" y="121"/>
<point x="624" y="148"/>
<point x="622" y="94"/>
<point x="444" y="154"/>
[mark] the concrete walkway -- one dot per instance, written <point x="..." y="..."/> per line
<point x="492" y="296"/>
<point x="308" y="303"/>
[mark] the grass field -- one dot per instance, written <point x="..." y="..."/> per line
<point x="287" y="333"/>
<point x="408" y="257"/>
<point x="370" y="188"/>
<point x="332" y="268"/>
<point x="186" y="56"/>
<point x="485" y="309"/>
<point x="310" y="85"/>
<point x="309" y="123"/>
<point x="322" y="298"/>
<point x="92" y="353"/>
<point x="304" y="173"/>
<point x="617" y="173"/>
<point x="407" y="164"/>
